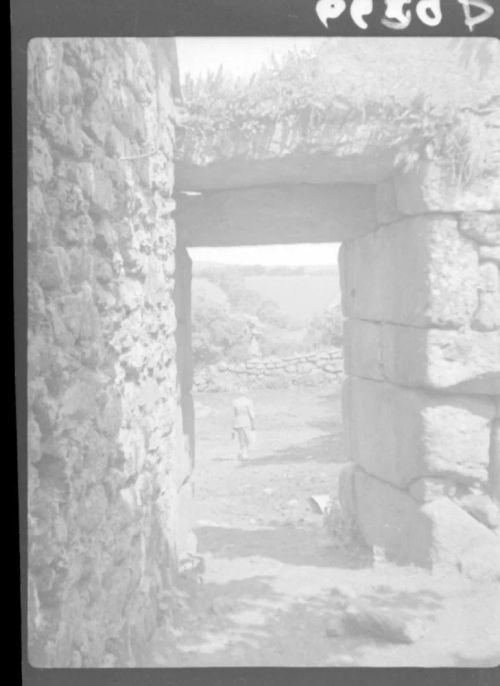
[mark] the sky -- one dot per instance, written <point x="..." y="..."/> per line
<point x="239" y="56"/>
<point x="294" y="255"/>
<point x="242" y="56"/>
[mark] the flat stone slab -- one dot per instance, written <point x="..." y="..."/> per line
<point x="439" y="535"/>
<point x="291" y="213"/>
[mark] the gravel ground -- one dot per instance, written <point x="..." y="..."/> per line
<point x="274" y="583"/>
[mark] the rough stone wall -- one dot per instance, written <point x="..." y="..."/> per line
<point x="101" y="367"/>
<point x="184" y="425"/>
<point x="422" y="348"/>
<point x="308" y="369"/>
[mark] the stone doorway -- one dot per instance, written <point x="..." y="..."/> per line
<point x="420" y="411"/>
<point x="286" y="214"/>
<point x="419" y="421"/>
<point x="418" y="265"/>
<point x="412" y="193"/>
<point x="285" y="298"/>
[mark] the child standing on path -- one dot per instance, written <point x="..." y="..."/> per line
<point x="244" y="422"/>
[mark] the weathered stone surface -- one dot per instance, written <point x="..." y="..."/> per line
<point x="387" y="210"/>
<point x="494" y="469"/>
<point x="53" y="268"/>
<point x="34" y="438"/>
<point x="437" y="534"/>
<point x="481" y="561"/>
<point x="363" y="349"/>
<point x="347" y="491"/>
<point x="419" y="272"/>
<point x="433" y="188"/>
<point x="489" y="253"/>
<point x="184" y="522"/>
<point x="482" y="508"/>
<point x="360" y="271"/>
<point x="428" y="489"/>
<point x="487" y="317"/>
<point x="281" y="214"/>
<point x="347" y="425"/>
<point x="481" y="227"/>
<point x="41" y="167"/>
<point x="401" y="435"/>
<point x="489" y="274"/>
<point x="100" y="417"/>
<point x="388" y="518"/>
<point x="383" y="623"/>
<point x="436" y="358"/>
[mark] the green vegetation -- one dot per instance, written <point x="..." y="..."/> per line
<point x="326" y="329"/>
<point x="226" y="315"/>
<point x="302" y="94"/>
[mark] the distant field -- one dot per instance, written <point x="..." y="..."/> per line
<point x="300" y="296"/>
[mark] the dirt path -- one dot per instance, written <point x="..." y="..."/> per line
<point x="272" y="581"/>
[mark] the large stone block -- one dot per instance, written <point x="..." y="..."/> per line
<point x="489" y="277"/>
<point x="433" y="187"/>
<point x="279" y="214"/>
<point x="481" y="507"/>
<point x="386" y="203"/>
<point x="347" y="491"/>
<point x="363" y="349"/>
<point x="483" y="227"/>
<point x="487" y="317"/>
<point x="437" y="358"/>
<point x="346" y="418"/>
<point x="428" y="489"/>
<point x="481" y="560"/>
<point x="437" y="534"/>
<point x="490" y="253"/>
<point x="361" y="274"/>
<point x="400" y="435"/>
<point x="418" y="272"/>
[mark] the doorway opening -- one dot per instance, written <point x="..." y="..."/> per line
<point x="266" y="322"/>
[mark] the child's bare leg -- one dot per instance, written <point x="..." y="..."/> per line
<point x="241" y="445"/>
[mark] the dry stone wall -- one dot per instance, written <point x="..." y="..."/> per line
<point x="308" y="369"/>
<point x="102" y="381"/>
<point x="422" y="349"/>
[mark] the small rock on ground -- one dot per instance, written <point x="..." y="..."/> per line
<point x="382" y="624"/>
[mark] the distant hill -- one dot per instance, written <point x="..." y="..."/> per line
<point x="202" y="268"/>
<point x="302" y="296"/>
<point x="300" y="292"/>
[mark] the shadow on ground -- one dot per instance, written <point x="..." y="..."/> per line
<point x="292" y="544"/>
<point x="424" y="601"/>
<point x="324" y="449"/>
<point x="246" y="622"/>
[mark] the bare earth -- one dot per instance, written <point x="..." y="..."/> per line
<point x="273" y="580"/>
